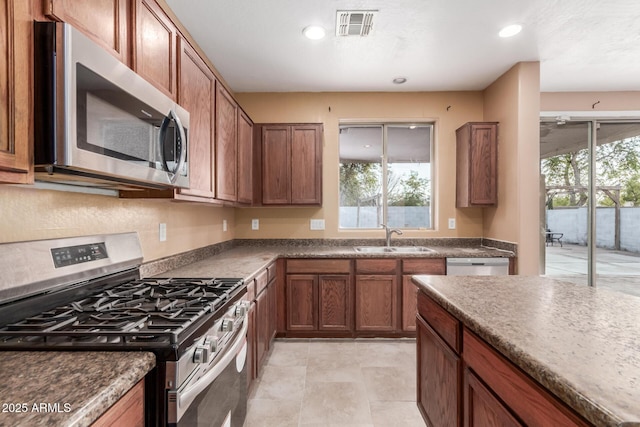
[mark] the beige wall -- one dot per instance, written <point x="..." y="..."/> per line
<point x="514" y="101"/>
<point x="584" y="101"/>
<point x="31" y="214"/>
<point x="329" y="109"/>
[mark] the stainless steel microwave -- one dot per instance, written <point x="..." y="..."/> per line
<point x="97" y="123"/>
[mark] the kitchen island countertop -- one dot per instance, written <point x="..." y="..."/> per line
<point x="55" y="388"/>
<point x="580" y="343"/>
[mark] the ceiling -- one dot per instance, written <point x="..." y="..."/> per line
<point x="258" y="46"/>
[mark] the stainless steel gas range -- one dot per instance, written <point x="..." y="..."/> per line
<point x="85" y="293"/>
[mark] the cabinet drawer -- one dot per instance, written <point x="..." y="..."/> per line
<point x="531" y="403"/>
<point x="261" y="281"/>
<point x="271" y="271"/>
<point x="376" y="266"/>
<point x="321" y="266"/>
<point x="447" y="326"/>
<point x="423" y="266"/>
<point x="251" y="290"/>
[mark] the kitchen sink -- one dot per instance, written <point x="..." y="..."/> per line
<point x="392" y="249"/>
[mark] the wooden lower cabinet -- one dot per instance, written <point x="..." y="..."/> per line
<point x="439" y="371"/>
<point x="376" y="302"/>
<point x="431" y="266"/>
<point x="334" y="303"/>
<point x="318" y="302"/>
<point x="302" y="297"/>
<point x="490" y="392"/>
<point x="482" y="408"/>
<point x="128" y="411"/>
<point x="262" y="320"/>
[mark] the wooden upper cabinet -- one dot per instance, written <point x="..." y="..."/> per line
<point x="155" y="46"/>
<point x="16" y="137"/>
<point x="245" y="158"/>
<point x="104" y="21"/>
<point x="291" y="164"/>
<point x="476" y="165"/>
<point x="306" y="165"/>
<point x="226" y="145"/>
<point x="196" y="93"/>
<point x="276" y="152"/>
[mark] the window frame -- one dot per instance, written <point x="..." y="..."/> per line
<point x="385" y="124"/>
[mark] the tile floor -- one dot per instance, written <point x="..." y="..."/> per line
<point x="337" y="383"/>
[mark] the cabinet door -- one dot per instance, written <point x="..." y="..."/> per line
<point x="482" y="408"/>
<point x="276" y="171"/>
<point x="301" y="302"/>
<point x="155" y="46"/>
<point x="261" y="329"/>
<point x="306" y="165"/>
<point x="273" y="309"/>
<point x="16" y="136"/>
<point x="439" y="377"/>
<point x="245" y="158"/>
<point x="376" y="302"/>
<point x="226" y="146"/>
<point x="110" y="30"/>
<point x="196" y="93"/>
<point x="483" y="168"/>
<point x="476" y="164"/>
<point x="334" y="310"/>
<point x="409" y="304"/>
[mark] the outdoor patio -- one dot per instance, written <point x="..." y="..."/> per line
<point x="616" y="270"/>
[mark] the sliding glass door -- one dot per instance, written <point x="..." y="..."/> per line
<point x="592" y="204"/>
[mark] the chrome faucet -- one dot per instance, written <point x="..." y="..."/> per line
<point x="389" y="232"/>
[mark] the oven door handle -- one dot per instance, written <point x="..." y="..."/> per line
<point x="186" y="397"/>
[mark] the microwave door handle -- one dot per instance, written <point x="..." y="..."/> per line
<point x="182" y="138"/>
<point x="181" y="143"/>
<point x="162" y="138"/>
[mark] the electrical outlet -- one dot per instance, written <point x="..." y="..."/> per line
<point x="224" y="225"/>
<point x="255" y="224"/>
<point x="316" y="224"/>
<point x="452" y="223"/>
<point x="162" y="232"/>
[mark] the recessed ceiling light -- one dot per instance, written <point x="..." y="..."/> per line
<point x="314" y="32"/>
<point x="399" y="80"/>
<point x="367" y="146"/>
<point x="412" y="127"/>
<point x="510" y="30"/>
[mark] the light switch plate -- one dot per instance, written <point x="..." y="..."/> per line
<point x="316" y="224"/>
<point x="452" y="223"/>
<point x="162" y="232"/>
<point x="224" y="225"/>
<point x="255" y="224"/>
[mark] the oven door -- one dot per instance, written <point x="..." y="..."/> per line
<point x="219" y="397"/>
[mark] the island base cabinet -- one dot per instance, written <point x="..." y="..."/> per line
<point x="482" y="408"/>
<point x="523" y="397"/>
<point x="439" y="378"/>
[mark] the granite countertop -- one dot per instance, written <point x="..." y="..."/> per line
<point x="581" y="343"/>
<point x="246" y="261"/>
<point x="65" y="388"/>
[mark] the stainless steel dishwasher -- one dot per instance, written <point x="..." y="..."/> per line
<point x="477" y="266"/>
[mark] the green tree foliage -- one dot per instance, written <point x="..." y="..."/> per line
<point x="617" y="164"/>
<point x="359" y="183"/>
<point x="413" y="191"/>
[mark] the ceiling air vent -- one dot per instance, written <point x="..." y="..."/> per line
<point x="354" y="22"/>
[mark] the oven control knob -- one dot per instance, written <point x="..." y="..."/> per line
<point x="227" y="325"/>
<point x="201" y="354"/>
<point x="211" y="342"/>
<point x="241" y="310"/>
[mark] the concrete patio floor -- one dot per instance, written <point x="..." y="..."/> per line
<point x="615" y="270"/>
